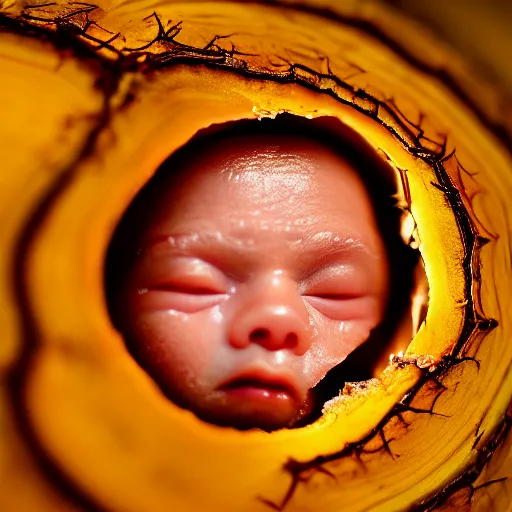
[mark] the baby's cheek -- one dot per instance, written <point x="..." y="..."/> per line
<point x="333" y="341"/>
<point x="174" y="347"/>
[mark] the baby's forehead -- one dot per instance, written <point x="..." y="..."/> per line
<point x="257" y="152"/>
<point x="293" y="187"/>
<point x="262" y="171"/>
<point x="279" y="167"/>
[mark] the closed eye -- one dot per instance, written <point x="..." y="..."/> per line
<point x="184" y="297"/>
<point x="341" y="306"/>
<point x="333" y="296"/>
<point x="189" y="289"/>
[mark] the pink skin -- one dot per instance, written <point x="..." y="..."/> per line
<point x="261" y="268"/>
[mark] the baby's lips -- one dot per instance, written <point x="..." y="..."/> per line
<point x="272" y="380"/>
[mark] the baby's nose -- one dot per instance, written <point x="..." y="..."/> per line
<point x="273" y="316"/>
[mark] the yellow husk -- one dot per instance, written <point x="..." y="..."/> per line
<point x="92" y="411"/>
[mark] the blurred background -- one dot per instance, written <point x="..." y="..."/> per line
<point x="480" y="29"/>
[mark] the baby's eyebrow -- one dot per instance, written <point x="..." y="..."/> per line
<point x="323" y="246"/>
<point x="233" y="256"/>
<point x="185" y="241"/>
<point x="211" y="246"/>
<point x="328" y="248"/>
<point x="329" y="243"/>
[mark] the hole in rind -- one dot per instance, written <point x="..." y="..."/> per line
<point x="380" y="182"/>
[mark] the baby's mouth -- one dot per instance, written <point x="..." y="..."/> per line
<point x="260" y="386"/>
<point x="263" y="398"/>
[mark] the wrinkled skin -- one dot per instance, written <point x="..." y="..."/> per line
<point x="260" y="268"/>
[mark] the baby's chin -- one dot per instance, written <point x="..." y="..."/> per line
<point x="244" y="412"/>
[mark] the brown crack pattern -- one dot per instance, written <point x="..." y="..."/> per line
<point x="421" y="399"/>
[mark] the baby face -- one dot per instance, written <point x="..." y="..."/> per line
<point x="260" y="268"/>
